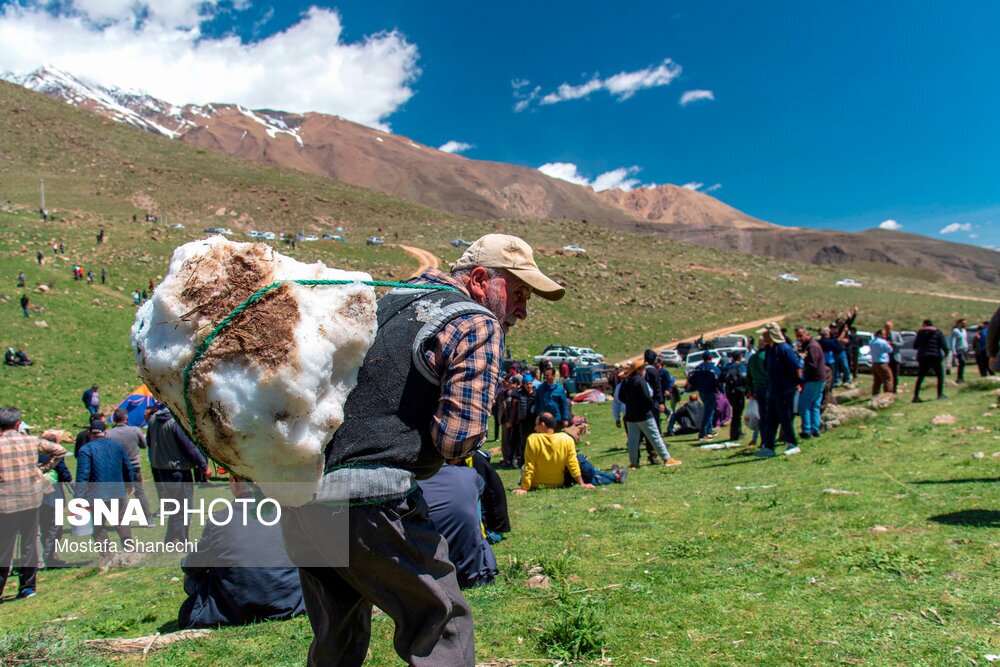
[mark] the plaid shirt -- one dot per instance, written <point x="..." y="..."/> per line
<point x="466" y="354"/>
<point x="21" y="482"/>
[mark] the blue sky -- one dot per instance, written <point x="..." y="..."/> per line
<point x="834" y="115"/>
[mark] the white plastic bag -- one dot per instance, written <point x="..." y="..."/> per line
<point x="752" y="416"/>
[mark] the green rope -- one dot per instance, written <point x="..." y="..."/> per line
<point x="257" y="296"/>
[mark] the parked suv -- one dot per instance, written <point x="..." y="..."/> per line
<point x="558" y="354"/>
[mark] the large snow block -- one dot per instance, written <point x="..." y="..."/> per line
<point x="269" y="391"/>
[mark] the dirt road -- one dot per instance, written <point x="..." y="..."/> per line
<point x="425" y="258"/>
<point x="711" y="334"/>
<point x="953" y="296"/>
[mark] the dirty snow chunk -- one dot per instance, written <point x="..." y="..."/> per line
<point x="882" y="401"/>
<point x="877" y="529"/>
<point x="840" y="492"/>
<point x="943" y="420"/>
<point x="721" y="445"/>
<point x="270" y="391"/>
<point x="761" y="486"/>
<point x="978" y="456"/>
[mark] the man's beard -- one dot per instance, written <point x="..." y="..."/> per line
<point x="494" y="303"/>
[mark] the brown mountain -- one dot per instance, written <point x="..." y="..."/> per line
<point x="393" y="164"/>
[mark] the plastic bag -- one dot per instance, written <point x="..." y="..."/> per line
<point x="752" y="416"/>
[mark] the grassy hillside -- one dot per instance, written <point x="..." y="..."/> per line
<point x="706" y="564"/>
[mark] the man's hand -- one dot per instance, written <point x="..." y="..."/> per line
<point x="587" y="486"/>
<point x="564" y="423"/>
<point x="618" y="423"/>
<point x="519" y="491"/>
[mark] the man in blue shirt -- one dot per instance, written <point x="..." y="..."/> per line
<point x="783" y="378"/>
<point x="704" y="379"/>
<point x="551" y="397"/>
<point x="881" y="351"/>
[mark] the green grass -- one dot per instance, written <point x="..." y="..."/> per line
<point x="678" y="566"/>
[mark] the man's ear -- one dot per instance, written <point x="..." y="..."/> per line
<point x="478" y="281"/>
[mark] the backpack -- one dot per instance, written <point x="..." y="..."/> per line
<point x="734" y="379"/>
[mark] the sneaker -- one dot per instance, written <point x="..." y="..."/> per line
<point x="26" y="593"/>
<point x="793" y="450"/>
<point x="621" y="472"/>
<point x="941" y="396"/>
<point x="671" y="463"/>
<point x="805" y="435"/>
<point x="917" y="399"/>
<point x="633" y="466"/>
<point x="764" y="453"/>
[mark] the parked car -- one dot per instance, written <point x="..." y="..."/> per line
<point x="574" y="248"/>
<point x="721" y="353"/>
<point x="176" y="225"/>
<point x="375" y="240"/>
<point x="558" y="354"/>
<point x="588" y="355"/>
<point x="728" y="341"/>
<point x="790" y="277"/>
<point x="671" y="358"/>
<point x="305" y="239"/>
<point x="461" y="243"/>
<point x="218" y="230"/>
<point x="848" y="282"/>
<point x="265" y="236"/>
<point x="864" y="351"/>
<point x="334" y="237"/>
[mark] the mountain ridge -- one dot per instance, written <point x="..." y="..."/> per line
<point x="358" y="155"/>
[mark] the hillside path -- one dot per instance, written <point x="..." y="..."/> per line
<point x="952" y="296"/>
<point x="425" y="258"/>
<point x="722" y="331"/>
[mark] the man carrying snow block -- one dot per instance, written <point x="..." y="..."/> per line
<point x="423" y="395"/>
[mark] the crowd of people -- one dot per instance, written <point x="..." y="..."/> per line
<point x="426" y="503"/>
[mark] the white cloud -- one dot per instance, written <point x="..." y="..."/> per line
<point x="973" y="236"/>
<point x="891" y="225"/>
<point x="690" y="96"/>
<point x="157" y="46"/>
<point x="454" y="147"/>
<point x="616" y="179"/>
<point x="693" y="185"/>
<point x="956" y="227"/>
<point x="714" y="187"/>
<point x="621" y="86"/>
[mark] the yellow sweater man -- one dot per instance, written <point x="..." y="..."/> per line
<point x="547" y="457"/>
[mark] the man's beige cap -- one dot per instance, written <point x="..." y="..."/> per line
<point x="773" y="331"/>
<point x="501" y="251"/>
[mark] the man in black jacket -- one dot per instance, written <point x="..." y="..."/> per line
<point x="931" y="348"/>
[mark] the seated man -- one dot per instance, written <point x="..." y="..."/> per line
<point x="496" y="520"/>
<point x="550" y="459"/>
<point x="453" y="496"/>
<point x="239" y="574"/>
<point x="9" y="357"/>
<point x="687" y="418"/>
<point x="22" y="358"/>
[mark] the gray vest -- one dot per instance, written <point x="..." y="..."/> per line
<point x="384" y="444"/>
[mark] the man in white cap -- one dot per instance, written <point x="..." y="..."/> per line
<point x="423" y="396"/>
<point x="784" y="376"/>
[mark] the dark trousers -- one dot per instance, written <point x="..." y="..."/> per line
<point x="894" y="367"/>
<point x="928" y="366"/>
<point x="738" y="401"/>
<point x="527" y="428"/>
<point x="140" y="491"/>
<point x="51" y="532"/>
<point x="708" y="420"/>
<point x="398" y="561"/>
<point x="781" y="412"/>
<point x="761" y="397"/>
<point x="176" y="485"/>
<point x="960" y="361"/>
<point x="23" y="524"/>
<point x="102" y="533"/>
<point x="983" y="361"/>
